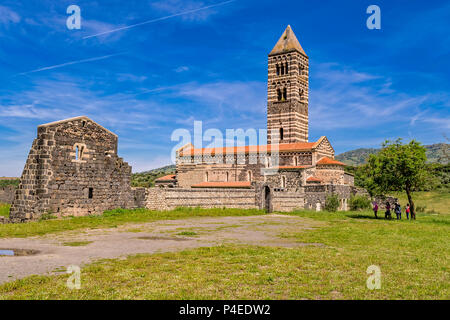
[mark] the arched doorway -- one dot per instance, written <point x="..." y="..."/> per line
<point x="267" y="199"/>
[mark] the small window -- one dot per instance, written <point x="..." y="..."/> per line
<point x="287" y="69"/>
<point x="91" y="193"/>
<point x="227" y="177"/>
<point x="281" y="133"/>
<point x="79" y="151"/>
<point x="278" y="70"/>
<point x="249" y="176"/>
<point x="206" y="176"/>
<point x="283" y="182"/>
<point x="284" y="93"/>
<point x="279" y="96"/>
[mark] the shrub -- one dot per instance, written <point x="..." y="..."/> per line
<point x="359" y="203"/>
<point x="332" y="203"/>
<point x="421" y="209"/>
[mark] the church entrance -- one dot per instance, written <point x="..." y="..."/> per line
<point x="267" y="199"/>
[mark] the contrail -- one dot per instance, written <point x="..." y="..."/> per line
<point x="70" y="63"/>
<point x="159" y="19"/>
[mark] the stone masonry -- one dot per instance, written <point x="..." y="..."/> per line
<point x="72" y="169"/>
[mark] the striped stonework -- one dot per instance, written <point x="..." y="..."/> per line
<point x="287" y="91"/>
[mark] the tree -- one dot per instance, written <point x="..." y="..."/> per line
<point x="399" y="167"/>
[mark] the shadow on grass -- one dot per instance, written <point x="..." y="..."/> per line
<point x="363" y="216"/>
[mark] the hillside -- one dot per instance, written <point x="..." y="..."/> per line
<point x="435" y="154"/>
<point x="147" y="178"/>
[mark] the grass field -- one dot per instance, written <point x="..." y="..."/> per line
<point x="433" y="201"/>
<point x="412" y="256"/>
<point x="4" y="209"/>
<point x="113" y="218"/>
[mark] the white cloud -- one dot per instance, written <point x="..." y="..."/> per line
<point x="8" y="16"/>
<point x="343" y="98"/>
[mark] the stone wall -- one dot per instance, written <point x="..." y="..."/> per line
<point x="72" y="169"/>
<point x="7" y="194"/>
<point x="168" y="199"/>
<point x="288" y="201"/>
<point x="316" y="195"/>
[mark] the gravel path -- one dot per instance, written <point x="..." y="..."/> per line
<point x="162" y="236"/>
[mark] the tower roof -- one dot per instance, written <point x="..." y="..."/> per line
<point x="287" y="42"/>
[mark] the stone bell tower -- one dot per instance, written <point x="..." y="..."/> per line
<point x="287" y="91"/>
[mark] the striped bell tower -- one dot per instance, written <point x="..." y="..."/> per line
<point x="287" y="91"/>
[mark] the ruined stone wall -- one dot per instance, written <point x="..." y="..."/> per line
<point x="288" y="201"/>
<point x="168" y="199"/>
<point x="72" y="169"/>
<point x="7" y="194"/>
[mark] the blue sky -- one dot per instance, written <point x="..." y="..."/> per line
<point x="144" y="82"/>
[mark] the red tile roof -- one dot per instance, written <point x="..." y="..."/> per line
<point x="283" y="147"/>
<point x="229" y="184"/>
<point x="169" y="177"/>
<point x="312" y="179"/>
<point x="326" y="160"/>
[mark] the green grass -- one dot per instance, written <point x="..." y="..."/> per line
<point x="412" y="255"/>
<point x="114" y="218"/>
<point x="187" y="233"/>
<point x="77" y="243"/>
<point x="4" y="209"/>
<point x="434" y="201"/>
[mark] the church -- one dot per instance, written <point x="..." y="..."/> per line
<point x="289" y="162"/>
<point x="73" y="167"/>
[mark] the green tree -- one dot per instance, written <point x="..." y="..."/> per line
<point x="399" y="167"/>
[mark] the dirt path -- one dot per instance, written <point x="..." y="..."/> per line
<point x="161" y="236"/>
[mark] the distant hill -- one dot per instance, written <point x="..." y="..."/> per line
<point x="435" y="154"/>
<point x="147" y="178"/>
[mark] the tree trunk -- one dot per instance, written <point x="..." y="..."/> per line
<point x="410" y="200"/>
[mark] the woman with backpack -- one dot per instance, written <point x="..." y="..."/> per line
<point x="387" y="213"/>
<point x="398" y="211"/>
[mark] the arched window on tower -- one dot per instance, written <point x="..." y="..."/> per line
<point x="279" y="96"/>
<point x="206" y="176"/>
<point x="282" y="69"/>
<point x="228" y="177"/>
<point x="249" y="176"/>
<point x="284" y="94"/>
<point x="295" y="161"/>
<point x="278" y="70"/>
<point x="287" y="70"/>
<point x="281" y="134"/>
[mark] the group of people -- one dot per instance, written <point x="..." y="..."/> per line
<point x="397" y="209"/>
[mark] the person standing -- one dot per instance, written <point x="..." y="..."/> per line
<point x="387" y="213"/>
<point x="398" y="211"/>
<point x="407" y="210"/>
<point x="375" y="209"/>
